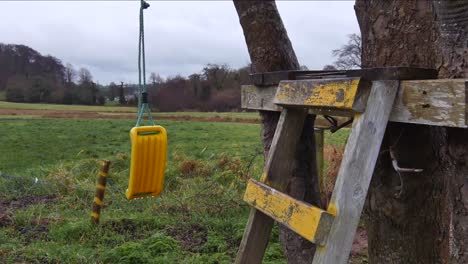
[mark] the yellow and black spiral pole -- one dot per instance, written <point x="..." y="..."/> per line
<point x="100" y="190"/>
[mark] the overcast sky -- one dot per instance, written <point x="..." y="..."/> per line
<point x="181" y="37"/>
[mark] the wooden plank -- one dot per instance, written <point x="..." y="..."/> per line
<point x="427" y="102"/>
<point x="259" y="98"/>
<point x="309" y="221"/>
<point x="431" y="102"/>
<point x="356" y="172"/>
<point x="278" y="167"/>
<point x="387" y="73"/>
<point x="345" y="94"/>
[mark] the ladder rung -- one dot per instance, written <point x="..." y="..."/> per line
<point x="309" y="221"/>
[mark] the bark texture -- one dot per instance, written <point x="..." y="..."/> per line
<point x="270" y="50"/>
<point x="418" y="217"/>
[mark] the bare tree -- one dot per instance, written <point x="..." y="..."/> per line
<point x="84" y="76"/>
<point x="155" y="78"/>
<point x="70" y="73"/>
<point x="349" y="55"/>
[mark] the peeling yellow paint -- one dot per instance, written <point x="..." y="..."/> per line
<point x="302" y="218"/>
<point x="332" y="209"/>
<point x="336" y="94"/>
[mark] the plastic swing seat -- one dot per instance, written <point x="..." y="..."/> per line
<point x="148" y="161"/>
<point x="149" y="143"/>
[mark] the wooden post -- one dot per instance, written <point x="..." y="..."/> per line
<point x="100" y="190"/>
<point x="356" y="172"/>
<point x="278" y="167"/>
<point x="319" y="148"/>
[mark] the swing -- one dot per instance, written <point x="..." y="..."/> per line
<point x="149" y="143"/>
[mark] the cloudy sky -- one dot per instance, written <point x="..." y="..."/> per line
<point x="181" y="36"/>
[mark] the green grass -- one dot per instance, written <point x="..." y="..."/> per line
<point x="48" y="169"/>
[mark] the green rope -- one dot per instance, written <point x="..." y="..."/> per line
<point x="142" y="98"/>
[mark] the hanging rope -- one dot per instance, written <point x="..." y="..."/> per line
<point x="143" y="94"/>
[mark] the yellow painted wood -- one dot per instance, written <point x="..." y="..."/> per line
<point x="98" y="201"/>
<point x="148" y="161"/>
<point x="329" y="93"/>
<point x="306" y="220"/>
<point x="95" y="215"/>
<point x="439" y="102"/>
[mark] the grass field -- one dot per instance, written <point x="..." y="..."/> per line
<point x="119" y="110"/>
<point x="48" y="169"/>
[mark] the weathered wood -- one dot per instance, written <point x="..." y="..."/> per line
<point x="356" y="172"/>
<point x="309" y="221"/>
<point x="345" y="94"/>
<point x="431" y="102"/>
<point x="98" y="201"/>
<point x="386" y="73"/>
<point x="278" y="168"/>
<point x="428" y="102"/>
<point x="259" y="98"/>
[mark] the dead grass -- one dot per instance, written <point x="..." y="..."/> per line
<point x="192" y="167"/>
<point x="97" y="115"/>
<point x="233" y="164"/>
<point x="64" y="176"/>
<point x="333" y="156"/>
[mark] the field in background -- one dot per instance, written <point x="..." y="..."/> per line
<point x="48" y="168"/>
<point x="20" y="110"/>
<point x="8" y="109"/>
<point x="90" y="108"/>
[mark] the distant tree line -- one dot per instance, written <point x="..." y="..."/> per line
<point x="215" y="88"/>
<point x="28" y="76"/>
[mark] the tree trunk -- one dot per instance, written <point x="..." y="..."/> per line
<point x="418" y="217"/>
<point x="270" y="50"/>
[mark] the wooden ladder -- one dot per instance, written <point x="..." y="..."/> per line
<point x="332" y="230"/>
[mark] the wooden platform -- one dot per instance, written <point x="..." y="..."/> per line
<point x="373" y="97"/>
<point x="429" y="102"/>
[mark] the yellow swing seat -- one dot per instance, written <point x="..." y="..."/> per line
<point x="148" y="161"/>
